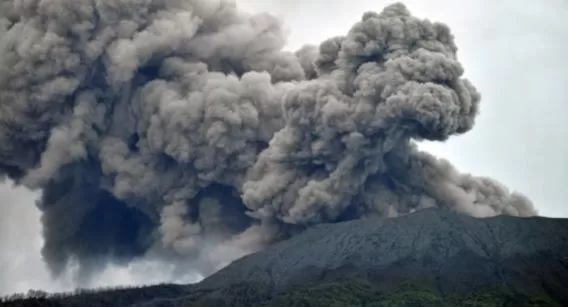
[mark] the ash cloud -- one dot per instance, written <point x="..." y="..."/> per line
<point x="181" y="130"/>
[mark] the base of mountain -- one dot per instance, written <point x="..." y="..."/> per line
<point x="362" y="293"/>
<point x="339" y="293"/>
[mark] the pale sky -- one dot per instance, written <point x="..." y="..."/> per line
<point x="513" y="51"/>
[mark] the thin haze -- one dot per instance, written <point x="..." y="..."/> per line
<point x="501" y="109"/>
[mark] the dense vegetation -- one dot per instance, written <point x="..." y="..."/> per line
<point x="350" y="293"/>
<point x="100" y="297"/>
<point x="355" y="293"/>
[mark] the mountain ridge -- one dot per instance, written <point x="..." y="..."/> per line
<point x="379" y="242"/>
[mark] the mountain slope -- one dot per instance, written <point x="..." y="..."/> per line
<point x="452" y="252"/>
<point x="429" y="258"/>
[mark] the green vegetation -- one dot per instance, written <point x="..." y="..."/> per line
<point x="335" y="294"/>
<point x="503" y="297"/>
<point x="345" y="293"/>
<point x="358" y="293"/>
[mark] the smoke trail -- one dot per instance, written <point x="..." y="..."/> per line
<point x="176" y="129"/>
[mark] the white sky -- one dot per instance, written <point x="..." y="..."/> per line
<point x="515" y="52"/>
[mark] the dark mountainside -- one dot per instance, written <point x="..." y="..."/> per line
<point x="433" y="257"/>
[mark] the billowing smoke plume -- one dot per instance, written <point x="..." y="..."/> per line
<point x="181" y="129"/>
